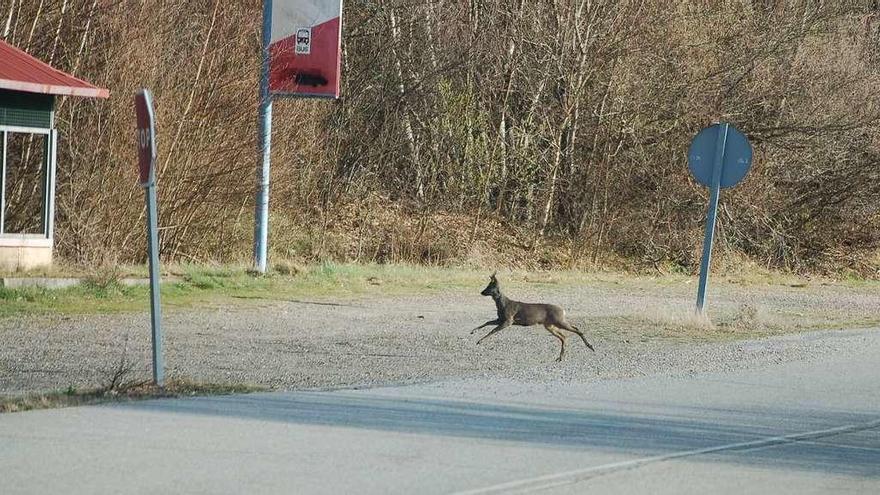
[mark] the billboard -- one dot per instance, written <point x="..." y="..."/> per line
<point x="304" y="54"/>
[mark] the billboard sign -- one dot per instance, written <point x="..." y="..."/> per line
<point x="304" y="53"/>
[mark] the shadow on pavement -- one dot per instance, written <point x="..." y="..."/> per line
<point x="853" y="453"/>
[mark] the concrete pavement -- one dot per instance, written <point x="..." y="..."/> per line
<point x="807" y="427"/>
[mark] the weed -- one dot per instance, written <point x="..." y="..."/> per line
<point x="132" y="391"/>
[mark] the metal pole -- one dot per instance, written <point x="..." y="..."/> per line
<point x="47" y="148"/>
<point x="146" y="142"/>
<point x="3" y="182"/>
<point x="717" y="167"/>
<point x="155" y="306"/>
<point x="261" y="220"/>
<point x="50" y="180"/>
<point x="49" y="184"/>
<point x="51" y="156"/>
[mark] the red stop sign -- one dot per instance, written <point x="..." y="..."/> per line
<point x="146" y="137"/>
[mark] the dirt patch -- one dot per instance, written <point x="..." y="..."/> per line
<point x="637" y="328"/>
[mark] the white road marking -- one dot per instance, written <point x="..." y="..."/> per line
<point x="569" y="477"/>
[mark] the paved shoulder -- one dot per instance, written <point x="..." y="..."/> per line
<point x="806" y="427"/>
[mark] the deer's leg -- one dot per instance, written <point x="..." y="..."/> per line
<point x="490" y="322"/>
<point x="502" y="326"/>
<point x="574" y="329"/>
<point x="559" y="335"/>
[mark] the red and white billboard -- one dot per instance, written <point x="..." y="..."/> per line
<point x="305" y="49"/>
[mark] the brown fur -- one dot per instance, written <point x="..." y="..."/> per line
<point x="512" y="312"/>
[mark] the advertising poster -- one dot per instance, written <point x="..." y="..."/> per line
<point x="305" y="49"/>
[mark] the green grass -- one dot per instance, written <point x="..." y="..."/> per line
<point x="85" y="298"/>
<point x="73" y="397"/>
<point x="203" y="286"/>
<point x="210" y="286"/>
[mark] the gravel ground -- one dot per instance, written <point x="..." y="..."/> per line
<point x="381" y="340"/>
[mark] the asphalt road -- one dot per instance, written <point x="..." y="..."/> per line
<point x="800" y="428"/>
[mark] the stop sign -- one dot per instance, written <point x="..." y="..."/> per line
<point x="146" y="137"/>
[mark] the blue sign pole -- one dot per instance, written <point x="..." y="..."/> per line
<point x="261" y="217"/>
<point x="715" y="191"/>
<point x="719" y="157"/>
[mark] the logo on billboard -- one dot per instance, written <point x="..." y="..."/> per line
<point x="303" y="41"/>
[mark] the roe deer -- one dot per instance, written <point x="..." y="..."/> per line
<point x="527" y="314"/>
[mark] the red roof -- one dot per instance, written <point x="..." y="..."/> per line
<point x="21" y="72"/>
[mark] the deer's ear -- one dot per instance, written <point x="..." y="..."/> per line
<point x="493" y="275"/>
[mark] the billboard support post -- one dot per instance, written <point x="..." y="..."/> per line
<point x="300" y="57"/>
<point x="261" y="218"/>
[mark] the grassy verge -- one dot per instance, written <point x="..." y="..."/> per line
<point x="197" y="286"/>
<point x="814" y="304"/>
<point x="139" y="391"/>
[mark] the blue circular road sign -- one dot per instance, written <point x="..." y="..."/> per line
<point x="736" y="160"/>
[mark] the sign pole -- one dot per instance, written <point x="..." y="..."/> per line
<point x="715" y="189"/>
<point x="146" y="137"/>
<point x="300" y="56"/>
<point x="155" y="305"/>
<point x="261" y="217"/>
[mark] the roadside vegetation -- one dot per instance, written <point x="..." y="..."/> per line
<point x="232" y="328"/>
<point x="547" y="140"/>
<point x="120" y="382"/>
<point x="746" y="312"/>
<point x="529" y="135"/>
<point x="72" y="396"/>
<point x="194" y="286"/>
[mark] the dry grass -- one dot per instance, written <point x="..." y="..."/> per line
<point x="381" y="230"/>
<point x="747" y="320"/>
<point x="131" y="392"/>
<point x="586" y="168"/>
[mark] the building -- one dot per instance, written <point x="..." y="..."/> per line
<point x="29" y="89"/>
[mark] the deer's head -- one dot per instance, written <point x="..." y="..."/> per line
<point x="493" y="289"/>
